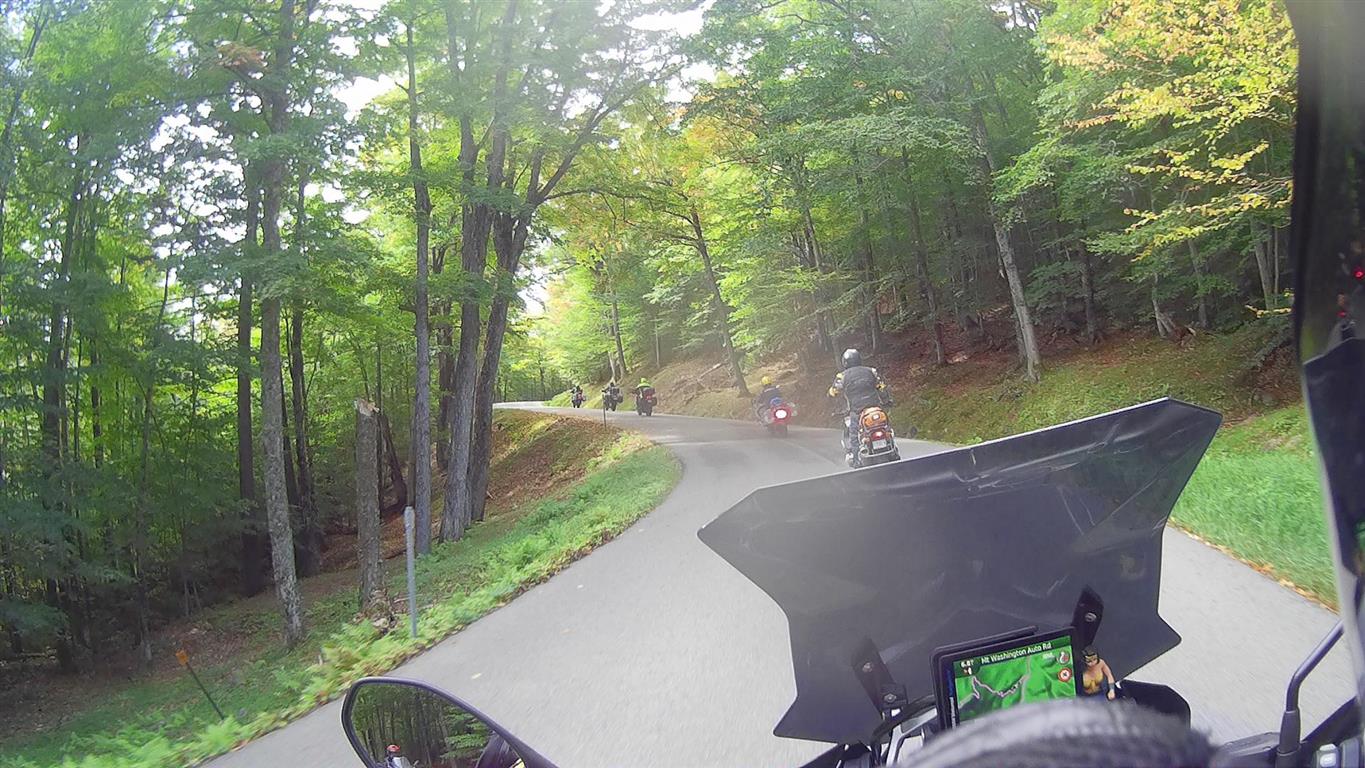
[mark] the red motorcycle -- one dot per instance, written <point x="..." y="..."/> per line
<point x="645" y="400"/>
<point x="776" y="415"/>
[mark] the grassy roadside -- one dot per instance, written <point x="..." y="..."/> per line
<point x="1255" y="494"/>
<point x="531" y="533"/>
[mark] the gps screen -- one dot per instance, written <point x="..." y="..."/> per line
<point x="985" y="680"/>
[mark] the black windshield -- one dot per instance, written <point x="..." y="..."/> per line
<point x="963" y="544"/>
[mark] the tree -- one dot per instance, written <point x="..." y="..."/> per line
<point x="367" y="520"/>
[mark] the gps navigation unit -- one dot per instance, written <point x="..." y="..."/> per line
<point x="975" y="681"/>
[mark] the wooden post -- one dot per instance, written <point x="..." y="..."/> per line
<point x="367" y="501"/>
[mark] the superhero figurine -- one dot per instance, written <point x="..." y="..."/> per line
<point x="1097" y="678"/>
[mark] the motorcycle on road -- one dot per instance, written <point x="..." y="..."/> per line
<point x="645" y="401"/>
<point x="776" y="415"/>
<point x="611" y="397"/>
<point x="873" y="439"/>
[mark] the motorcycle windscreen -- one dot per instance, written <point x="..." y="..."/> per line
<point x="963" y="544"/>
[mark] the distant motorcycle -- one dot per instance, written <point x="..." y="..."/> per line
<point x="578" y="398"/>
<point x="876" y="440"/>
<point x="776" y="415"/>
<point x="645" y="400"/>
<point x="611" y="398"/>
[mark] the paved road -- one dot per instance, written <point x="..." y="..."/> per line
<point x="653" y="651"/>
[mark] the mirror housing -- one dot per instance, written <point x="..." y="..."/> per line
<point x="396" y="723"/>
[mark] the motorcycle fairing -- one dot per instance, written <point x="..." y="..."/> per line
<point x="963" y="544"/>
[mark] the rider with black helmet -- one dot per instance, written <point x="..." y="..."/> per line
<point x="861" y="387"/>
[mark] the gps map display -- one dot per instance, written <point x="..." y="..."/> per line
<point x="1039" y="669"/>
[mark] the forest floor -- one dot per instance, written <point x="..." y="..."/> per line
<point x="559" y="488"/>
<point x="1255" y="495"/>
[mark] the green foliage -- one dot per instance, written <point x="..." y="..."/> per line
<point x="164" y="725"/>
<point x="1150" y="138"/>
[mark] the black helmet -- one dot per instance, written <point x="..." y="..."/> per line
<point x="852" y="358"/>
<point x="1329" y="290"/>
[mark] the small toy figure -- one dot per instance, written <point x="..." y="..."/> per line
<point x="1097" y="678"/>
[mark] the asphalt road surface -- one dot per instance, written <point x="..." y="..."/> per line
<point x="653" y="651"/>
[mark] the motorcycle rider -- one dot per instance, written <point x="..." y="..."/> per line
<point x="862" y="388"/>
<point x="640" y="388"/>
<point x="394" y="758"/>
<point x="612" y="392"/>
<point x="577" y="395"/>
<point x="766" y="394"/>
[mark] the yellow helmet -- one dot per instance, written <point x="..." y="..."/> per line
<point x="766" y="381"/>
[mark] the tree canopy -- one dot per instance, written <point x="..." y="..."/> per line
<point x="210" y="248"/>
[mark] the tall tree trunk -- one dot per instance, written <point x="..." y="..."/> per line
<point x="1165" y="327"/>
<point x="615" y="332"/>
<point x="276" y="481"/>
<point x="457" y="511"/>
<point x="367" y="504"/>
<point x="386" y="447"/>
<point x="272" y="394"/>
<point x="963" y="306"/>
<point x="509" y="240"/>
<point x="476" y="221"/>
<point x="53" y="425"/>
<point x="1028" y="343"/>
<point x="926" y="281"/>
<point x="445" y="380"/>
<point x="658" y="346"/>
<point x="54" y="373"/>
<point x="291" y="480"/>
<point x="421" y="412"/>
<point x="139" y="548"/>
<point x="252" y="553"/>
<point x="1263" y="268"/>
<point x="389" y="458"/>
<point x="96" y="406"/>
<point x="308" y="539"/>
<point x="718" y="304"/>
<point x="1092" y="326"/>
<point x="872" y="318"/>
<point x="819" y="297"/>
<point x="310" y="535"/>
<point x="1199" y="290"/>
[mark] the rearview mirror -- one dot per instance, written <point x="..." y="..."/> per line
<point x="393" y="723"/>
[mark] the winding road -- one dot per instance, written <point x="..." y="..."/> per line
<point x="652" y="651"/>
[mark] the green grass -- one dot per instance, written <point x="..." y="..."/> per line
<point x="1256" y="492"/>
<point x="166" y="724"/>
<point x="970" y="402"/>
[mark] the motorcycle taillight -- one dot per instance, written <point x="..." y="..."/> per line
<point x="878" y="434"/>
